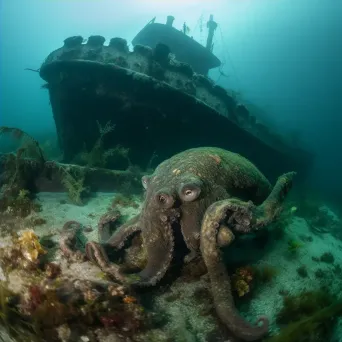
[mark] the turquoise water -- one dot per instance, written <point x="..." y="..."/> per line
<point x="281" y="59"/>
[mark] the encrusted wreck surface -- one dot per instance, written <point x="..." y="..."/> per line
<point x="158" y="105"/>
<point x="49" y="176"/>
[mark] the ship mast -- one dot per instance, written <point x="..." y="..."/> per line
<point x="211" y="25"/>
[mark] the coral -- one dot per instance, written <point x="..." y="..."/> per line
<point x="47" y="299"/>
<point x="24" y="252"/>
<point x="241" y="287"/>
<point x="241" y="280"/>
<point x="49" y="303"/>
<point x="246" y="278"/>
<point x="29" y="245"/>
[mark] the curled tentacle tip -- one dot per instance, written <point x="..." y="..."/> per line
<point x="257" y="332"/>
<point x="224" y="236"/>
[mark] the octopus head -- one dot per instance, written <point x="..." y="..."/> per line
<point x="166" y="197"/>
<point x="165" y="200"/>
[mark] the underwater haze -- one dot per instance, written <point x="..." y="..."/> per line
<point x="144" y="200"/>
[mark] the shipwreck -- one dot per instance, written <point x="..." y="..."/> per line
<point x="158" y="99"/>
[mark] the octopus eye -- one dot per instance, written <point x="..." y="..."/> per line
<point x="189" y="192"/>
<point x="145" y="180"/>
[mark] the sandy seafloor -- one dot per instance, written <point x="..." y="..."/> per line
<point x="184" y="315"/>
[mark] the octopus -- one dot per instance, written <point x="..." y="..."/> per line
<point x="210" y="196"/>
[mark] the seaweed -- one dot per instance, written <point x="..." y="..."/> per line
<point x="316" y="328"/>
<point x="98" y="156"/>
<point x="11" y="319"/>
<point x="29" y="152"/>
<point x="19" y="203"/>
<point x="293" y="246"/>
<point x="20" y="169"/>
<point x="73" y="179"/>
<point x="309" y="317"/>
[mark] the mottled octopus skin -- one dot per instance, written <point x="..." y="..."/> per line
<point x="211" y="194"/>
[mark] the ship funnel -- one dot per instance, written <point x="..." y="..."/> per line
<point x="169" y="20"/>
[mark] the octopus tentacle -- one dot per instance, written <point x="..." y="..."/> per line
<point x="160" y="246"/>
<point x="245" y="217"/>
<point x="105" y="223"/>
<point x="118" y="239"/>
<point x="96" y="253"/>
<point x="67" y="240"/>
<point x="220" y="281"/>
<point x="272" y="206"/>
